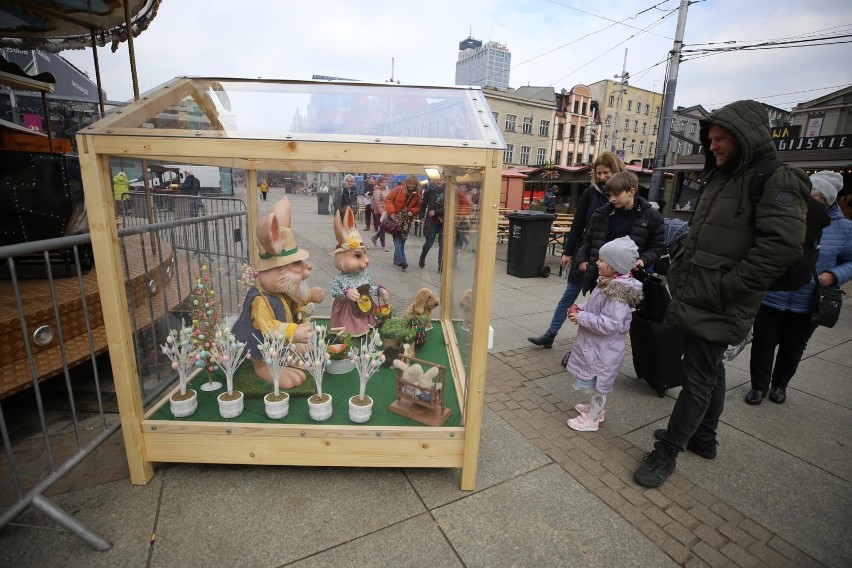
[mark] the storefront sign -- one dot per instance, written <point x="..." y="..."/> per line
<point x="787" y="131"/>
<point x="814" y="126"/>
<point x="836" y="142"/>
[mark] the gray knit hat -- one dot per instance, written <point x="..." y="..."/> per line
<point x="620" y="254"/>
<point x="828" y="184"/>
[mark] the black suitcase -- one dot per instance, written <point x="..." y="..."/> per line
<point x="657" y="351"/>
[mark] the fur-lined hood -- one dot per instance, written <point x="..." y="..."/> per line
<point x="624" y="288"/>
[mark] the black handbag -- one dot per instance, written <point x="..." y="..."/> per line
<point x="826" y="304"/>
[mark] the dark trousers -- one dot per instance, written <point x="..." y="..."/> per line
<point x="368" y="215"/>
<point x="702" y="398"/>
<point x="789" y="332"/>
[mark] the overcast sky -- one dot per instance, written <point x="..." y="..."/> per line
<point x="559" y="43"/>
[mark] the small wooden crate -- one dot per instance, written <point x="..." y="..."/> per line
<point x="425" y="405"/>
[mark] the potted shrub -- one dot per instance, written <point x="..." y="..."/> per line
<point x="366" y="360"/>
<point x="276" y="352"/>
<point x="394" y="334"/>
<point x="184" y="355"/>
<point x="313" y="359"/>
<point x="228" y="353"/>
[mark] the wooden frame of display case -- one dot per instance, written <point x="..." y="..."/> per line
<point x="148" y="440"/>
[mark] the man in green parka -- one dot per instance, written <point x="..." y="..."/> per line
<point x="734" y="251"/>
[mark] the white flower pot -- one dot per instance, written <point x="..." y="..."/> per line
<point x="339" y="366"/>
<point x="319" y="411"/>
<point x="183" y="406"/>
<point x="276" y="408"/>
<point x="230" y="408"/>
<point x="360" y="410"/>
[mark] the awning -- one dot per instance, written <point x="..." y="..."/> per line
<point x="56" y="25"/>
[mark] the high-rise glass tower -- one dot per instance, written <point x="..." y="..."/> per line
<point x="486" y="65"/>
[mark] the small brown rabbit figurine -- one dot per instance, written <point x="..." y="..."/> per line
<point x="352" y="289"/>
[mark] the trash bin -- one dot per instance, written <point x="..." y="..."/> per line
<point x="322" y="203"/>
<point x="529" y="233"/>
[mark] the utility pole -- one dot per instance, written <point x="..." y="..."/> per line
<point x="668" y="105"/>
<point x="621" y="90"/>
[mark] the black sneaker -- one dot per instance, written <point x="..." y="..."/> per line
<point x="706" y="450"/>
<point x="656" y="467"/>
<point x="404" y="265"/>
<point x="422" y="262"/>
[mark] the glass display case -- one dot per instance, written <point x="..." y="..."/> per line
<point x="307" y="129"/>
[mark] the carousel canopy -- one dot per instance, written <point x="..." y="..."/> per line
<point x="56" y="25"/>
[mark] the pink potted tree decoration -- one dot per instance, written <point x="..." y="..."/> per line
<point x="277" y="353"/>
<point x="312" y="358"/>
<point x="228" y="354"/>
<point x="183" y="352"/>
<point x="367" y="359"/>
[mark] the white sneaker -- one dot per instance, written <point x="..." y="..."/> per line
<point x="583" y="424"/>
<point x="584" y="410"/>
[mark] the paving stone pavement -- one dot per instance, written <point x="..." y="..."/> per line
<point x="778" y="494"/>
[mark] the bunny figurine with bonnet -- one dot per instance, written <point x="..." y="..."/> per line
<point x="277" y="301"/>
<point x="353" y="308"/>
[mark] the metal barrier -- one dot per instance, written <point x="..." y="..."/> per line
<point x="170" y="206"/>
<point x="51" y="337"/>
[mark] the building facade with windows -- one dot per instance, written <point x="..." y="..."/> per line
<point x="828" y="115"/>
<point x="683" y="136"/>
<point x="577" y="124"/>
<point x="483" y="64"/>
<point x="525" y="117"/>
<point x="630" y="119"/>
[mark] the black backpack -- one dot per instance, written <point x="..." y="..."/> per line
<point x="817" y="219"/>
<point x="675" y="232"/>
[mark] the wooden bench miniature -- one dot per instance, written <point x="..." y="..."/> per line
<point x="421" y="400"/>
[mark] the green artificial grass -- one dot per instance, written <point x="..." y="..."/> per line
<point x="381" y="387"/>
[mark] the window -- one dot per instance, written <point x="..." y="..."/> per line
<point x="510" y="122"/>
<point x="541" y="156"/>
<point x="606" y="142"/>
<point x="576" y="106"/>
<point x="654" y="133"/>
<point x="623" y="144"/>
<point x="558" y="158"/>
<point x="608" y="120"/>
<point x="583" y="112"/>
<point x="626" y="124"/>
<point x="657" y="112"/>
<point x="582" y="133"/>
<point x="496" y="117"/>
<point x="611" y="99"/>
<point x="560" y="132"/>
<point x="647" y="108"/>
<point x="635" y="126"/>
<point x="651" y="149"/>
<point x="692" y="128"/>
<point x="525" y="155"/>
<point x="528" y="124"/>
<point x="591" y="159"/>
<point x="683" y="126"/>
<point x="632" y="146"/>
<point x="679" y="145"/>
<point x="573" y="134"/>
<point x="592" y="138"/>
<point x="629" y="105"/>
<point x="509" y="154"/>
<point x="644" y="128"/>
<point x="544" y="128"/>
<point x="674" y="123"/>
<point x="641" y="147"/>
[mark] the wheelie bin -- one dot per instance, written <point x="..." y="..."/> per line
<point x="322" y="203"/>
<point x="529" y="233"/>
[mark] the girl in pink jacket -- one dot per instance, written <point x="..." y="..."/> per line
<point x="604" y="321"/>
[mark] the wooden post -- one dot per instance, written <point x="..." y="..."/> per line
<point x="97" y="186"/>
<point x="484" y="272"/>
<point x="252" y="205"/>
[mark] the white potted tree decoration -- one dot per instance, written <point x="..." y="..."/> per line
<point x="276" y="354"/>
<point x="228" y="353"/>
<point x="312" y="359"/>
<point x="183" y="353"/>
<point x="367" y="359"/>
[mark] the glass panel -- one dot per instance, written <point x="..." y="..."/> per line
<point x="328" y="111"/>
